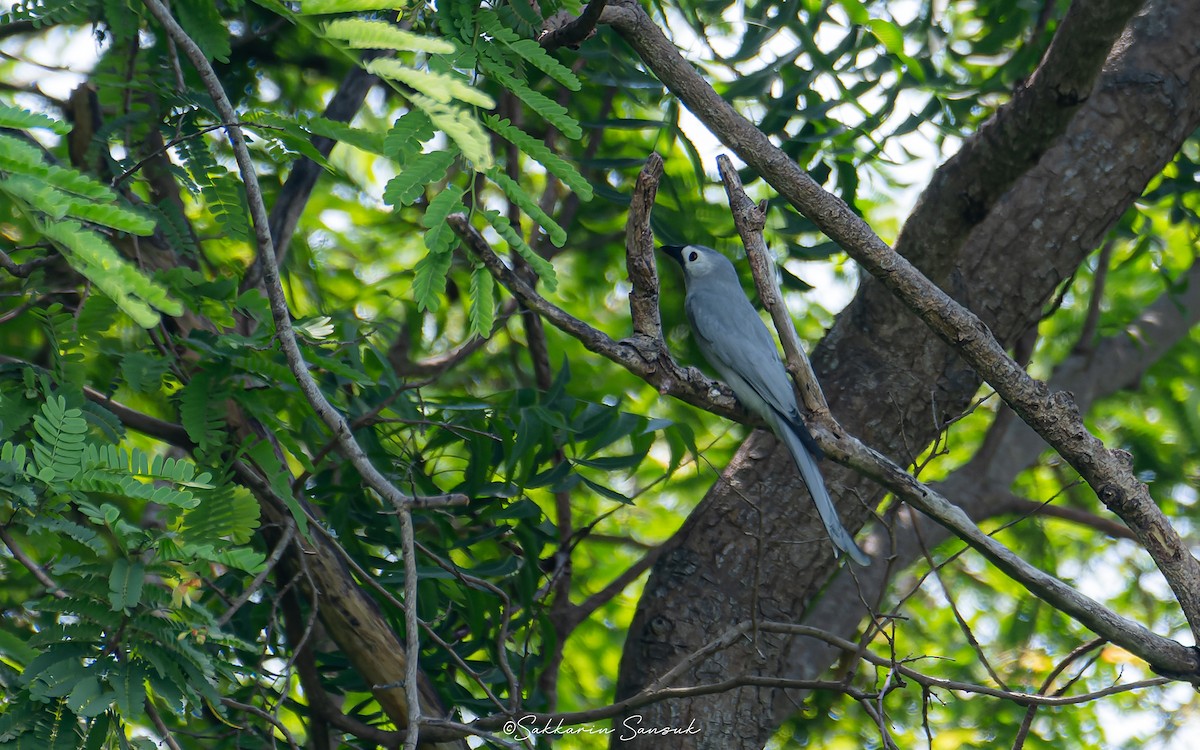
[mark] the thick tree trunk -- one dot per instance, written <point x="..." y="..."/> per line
<point x="754" y="547"/>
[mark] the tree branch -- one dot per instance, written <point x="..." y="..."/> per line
<point x="282" y="315"/>
<point x="652" y="364"/>
<point x="563" y="30"/>
<point x="1054" y="416"/>
<point x="37" y="571"/>
<point x="750" y="219"/>
<point x="639" y="255"/>
<point x="1165" y="655"/>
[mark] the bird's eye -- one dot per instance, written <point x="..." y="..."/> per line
<point x="693" y="255"/>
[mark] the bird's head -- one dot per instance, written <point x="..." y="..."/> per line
<point x="698" y="260"/>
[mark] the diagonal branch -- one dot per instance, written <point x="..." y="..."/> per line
<point x="1054" y="416"/>
<point x="1165" y="655"/>
<point x="750" y="220"/>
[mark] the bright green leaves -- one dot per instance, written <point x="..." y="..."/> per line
<point x="460" y="127"/>
<point x="510" y="234"/>
<point x="64" y="205"/>
<point x="443" y="88"/>
<point x="90" y="254"/>
<point x="536" y="150"/>
<point x="19" y="119"/>
<point x="419" y="170"/>
<point x="526" y="203"/>
<point x="438" y="76"/>
<point x="430" y="279"/>
<point x="345" y="6"/>
<point x="363" y="34"/>
<point x="527" y="49"/>
<point x="482" y="313"/>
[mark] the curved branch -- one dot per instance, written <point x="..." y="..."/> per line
<point x="562" y="30"/>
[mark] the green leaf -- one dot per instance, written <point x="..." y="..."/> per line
<point x="429" y="280"/>
<point x="441" y="87"/>
<point x="482" y="314"/>
<point x="360" y="138"/>
<point x="461" y="127"/>
<point x="537" y="150"/>
<point x="540" y="265"/>
<point x="416" y="172"/>
<point x="856" y="10"/>
<point x="90" y="254"/>
<point x="264" y="455"/>
<point x="553" y="112"/>
<point x="529" y="205"/>
<point x="121" y="219"/>
<point x="230" y="512"/>
<point x="363" y="34"/>
<point x="125" y="584"/>
<point x="21" y="119"/>
<point x="128" y="679"/>
<point x="143" y="371"/>
<point x="345" y="6"/>
<point x="407" y="135"/>
<point x="201" y="409"/>
<point x="440" y="237"/>
<point x="888" y="34"/>
<point x="529" y="50"/>
<point x="58" y="449"/>
<point x="88" y="700"/>
<point x="202" y="22"/>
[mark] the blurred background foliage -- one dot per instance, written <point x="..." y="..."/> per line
<point x="592" y="467"/>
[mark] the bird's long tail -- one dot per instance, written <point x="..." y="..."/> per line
<point x="842" y="540"/>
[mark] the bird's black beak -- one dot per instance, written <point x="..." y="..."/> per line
<point x="675" y="251"/>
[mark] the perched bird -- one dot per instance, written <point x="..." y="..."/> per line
<point x="734" y="340"/>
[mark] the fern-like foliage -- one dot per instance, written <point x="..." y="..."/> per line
<point x="419" y="170"/>
<point x="536" y="150"/>
<point x="108" y="645"/>
<point x="49" y="12"/>
<point x="205" y="424"/>
<point x="510" y="234"/>
<point x="360" y="33"/>
<point x="58" y="449"/>
<point x="430" y="279"/>
<point x="64" y="205"/>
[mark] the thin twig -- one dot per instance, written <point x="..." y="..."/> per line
<point x="265" y="258"/>
<point x="411" y="631"/>
<point x="289" y="532"/>
<point x="161" y="726"/>
<point x="36" y="570"/>
<point x="265" y="716"/>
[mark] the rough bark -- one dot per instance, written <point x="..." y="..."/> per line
<point x="754" y="546"/>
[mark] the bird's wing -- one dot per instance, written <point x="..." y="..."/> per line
<point x="738" y="345"/>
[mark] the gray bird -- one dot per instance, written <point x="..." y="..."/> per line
<point x="734" y="340"/>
